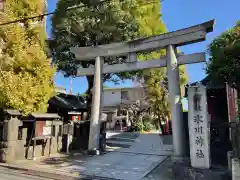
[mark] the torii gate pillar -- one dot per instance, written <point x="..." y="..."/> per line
<point x="94" y="134"/>
<point x="178" y="129"/>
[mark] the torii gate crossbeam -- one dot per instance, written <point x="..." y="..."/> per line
<point x="140" y="65"/>
<point x="169" y="41"/>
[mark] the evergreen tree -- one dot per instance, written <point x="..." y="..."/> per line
<point x="224" y="62"/>
<point x="25" y="71"/>
<point x="93" y="23"/>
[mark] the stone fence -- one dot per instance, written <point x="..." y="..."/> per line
<point x="27" y="138"/>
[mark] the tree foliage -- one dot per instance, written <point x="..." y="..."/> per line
<point x="224" y="63"/>
<point x="136" y="113"/>
<point x="156" y="79"/>
<point x="91" y="24"/>
<point x="25" y="71"/>
<point x="114" y="21"/>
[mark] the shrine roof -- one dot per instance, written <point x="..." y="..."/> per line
<point x="13" y="112"/>
<point x="209" y="84"/>
<point x="68" y="101"/>
<point x="45" y="115"/>
<point x="206" y="82"/>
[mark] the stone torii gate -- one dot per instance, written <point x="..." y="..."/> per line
<point x="169" y="41"/>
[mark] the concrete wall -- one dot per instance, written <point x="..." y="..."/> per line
<point x="116" y="96"/>
<point x="112" y="97"/>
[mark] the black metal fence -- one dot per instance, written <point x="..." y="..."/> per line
<point x="225" y="137"/>
<point x="220" y="143"/>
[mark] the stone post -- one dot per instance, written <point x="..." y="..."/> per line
<point x="198" y="124"/>
<point x="70" y="136"/>
<point x="235" y="169"/>
<point x="94" y="135"/>
<point x="127" y="120"/>
<point x="57" y="139"/>
<point x="229" y="157"/>
<point x="121" y="123"/>
<point x="10" y="136"/>
<point x="178" y="129"/>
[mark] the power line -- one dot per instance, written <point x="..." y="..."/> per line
<point x="54" y="12"/>
<point x="47" y="14"/>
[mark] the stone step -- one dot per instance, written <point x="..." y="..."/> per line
<point x="119" y="139"/>
<point x="121" y="144"/>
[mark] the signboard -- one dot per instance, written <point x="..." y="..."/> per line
<point x="198" y="122"/>
<point x="47" y="131"/>
<point x="76" y="118"/>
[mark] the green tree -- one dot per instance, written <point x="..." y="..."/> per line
<point x="156" y="79"/>
<point x="105" y="86"/>
<point x="92" y="24"/>
<point x="25" y="71"/>
<point x="114" y="21"/>
<point x="157" y="93"/>
<point x="224" y="63"/>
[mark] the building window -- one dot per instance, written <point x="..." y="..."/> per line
<point x="124" y="95"/>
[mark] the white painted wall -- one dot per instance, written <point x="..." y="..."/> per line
<point x="113" y="97"/>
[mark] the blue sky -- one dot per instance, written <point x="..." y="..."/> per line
<point x="177" y="14"/>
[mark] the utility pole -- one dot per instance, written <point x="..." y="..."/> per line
<point x="70" y="85"/>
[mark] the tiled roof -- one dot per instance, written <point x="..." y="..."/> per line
<point x="206" y="82"/>
<point x="209" y="84"/>
<point x="68" y="101"/>
<point x="45" y="115"/>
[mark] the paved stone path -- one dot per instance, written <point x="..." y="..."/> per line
<point x="117" y="165"/>
<point x="144" y="154"/>
<point x="133" y="163"/>
<point x="151" y="144"/>
<point x="162" y="172"/>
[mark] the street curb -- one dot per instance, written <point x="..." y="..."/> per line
<point x="154" y="166"/>
<point x="38" y="173"/>
<point x="46" y="174"/>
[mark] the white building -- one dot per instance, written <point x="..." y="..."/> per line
<point x="114" y="97"/>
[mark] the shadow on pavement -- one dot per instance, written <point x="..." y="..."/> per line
<point x="167" y="139"/>
<point x="121" y="139"/>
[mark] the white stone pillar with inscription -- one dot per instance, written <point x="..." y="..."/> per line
<point x="198" y="122"/>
